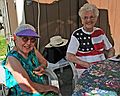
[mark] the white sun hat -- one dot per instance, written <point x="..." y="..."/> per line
<point x="56" y="41"/>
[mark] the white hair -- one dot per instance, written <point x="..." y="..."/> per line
<point x="88" y="7"/>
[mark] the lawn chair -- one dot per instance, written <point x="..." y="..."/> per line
<point x="57" y="70"/>
<point x="4" y="91"/>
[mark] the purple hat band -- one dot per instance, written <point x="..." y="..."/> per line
<point x="27" y="32"/>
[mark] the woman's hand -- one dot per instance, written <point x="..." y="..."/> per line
<point x="85" y="64"/>
<point x="45" y="88"/>
<point x="72" y="58"/>
<point x="54" y="89"/>
<point x="39" y="70"/>
<point x="50" y="88"/>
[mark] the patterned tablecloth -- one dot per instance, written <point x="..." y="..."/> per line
<point x="101" y="79"/>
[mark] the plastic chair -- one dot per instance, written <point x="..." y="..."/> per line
<point x="60" y="65"/>
<point x="4" y="91"/>
<point x="51" y="79"/>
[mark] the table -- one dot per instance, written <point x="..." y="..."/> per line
<point x="101" y="79"/>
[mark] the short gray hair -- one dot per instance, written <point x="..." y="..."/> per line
<point x="88" y="7"/>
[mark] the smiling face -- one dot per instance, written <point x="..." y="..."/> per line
<point x="88" y="20"/>
<point x="25" y="44"/>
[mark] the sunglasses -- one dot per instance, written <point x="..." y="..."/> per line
<point x="32" y="39"/>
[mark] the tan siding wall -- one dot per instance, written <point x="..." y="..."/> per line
<point x="12" y="15"/>
<point x="113" y="7"/>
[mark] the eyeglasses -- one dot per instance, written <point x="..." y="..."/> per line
<point x="25" y="39"/>
<point x="91" y="18"/>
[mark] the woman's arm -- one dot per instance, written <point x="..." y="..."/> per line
<point x="72" y="58"/>
<point x="41" y="59"/>
<point x="23" y="79"/>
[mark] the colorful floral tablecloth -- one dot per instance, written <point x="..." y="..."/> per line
<point x="101" y="79"/>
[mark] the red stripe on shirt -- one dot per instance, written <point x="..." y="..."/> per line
<point x="97" y="33"/>
<point x="99" y="46"/>
<point x="92" y="53"/>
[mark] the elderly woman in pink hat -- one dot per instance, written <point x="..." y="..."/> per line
<point x="24" y="66"/>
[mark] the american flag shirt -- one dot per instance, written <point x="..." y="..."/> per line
<point x="89" y="46"/>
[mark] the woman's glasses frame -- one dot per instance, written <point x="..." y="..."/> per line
<point x="91" y="18"/>
<point x="26" y="38"/>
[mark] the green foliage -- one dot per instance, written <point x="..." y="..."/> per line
<point x="3" y="46"/>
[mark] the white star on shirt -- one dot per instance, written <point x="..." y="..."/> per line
<point x="81" y="33"/>
<point x="83" y="49"/>
<point x="77" y="33"/>
<point x="84" y="37"/>
<point x="88" y="37"/>
<point x="91" y="48"/>
<point x="80" y="38"/>
<point x="84" y="44"/>
<point x="88" y="43"/>
<point x="87" y="49"/>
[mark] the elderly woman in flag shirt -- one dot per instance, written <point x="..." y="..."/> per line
<point x="87" y="44"/>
